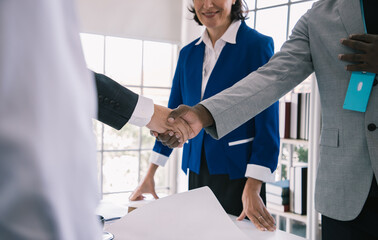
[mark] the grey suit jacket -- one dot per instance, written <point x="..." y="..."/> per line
<point x="348" y="150"/>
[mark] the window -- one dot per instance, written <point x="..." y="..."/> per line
<point x="146" y="68"/>
<point x="276" y="18"/>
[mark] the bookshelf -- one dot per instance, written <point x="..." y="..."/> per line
<point x="308" y="225"/>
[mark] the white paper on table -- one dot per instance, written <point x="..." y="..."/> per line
<point x="195" y="214"/>
<point x="254" y="234"/>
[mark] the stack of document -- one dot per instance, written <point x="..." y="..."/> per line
<point x="196" y="214"/>
<point x="192" y="215"/>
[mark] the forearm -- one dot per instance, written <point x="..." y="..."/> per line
<point x="151" y="170"/>
<point x="115" y="102"/>
<point x="248" y="97"/>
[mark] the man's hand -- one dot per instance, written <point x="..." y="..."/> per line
<point x="180" y="130"/>
<point x="367" y="59"/>
<point x="254" y="208"/>
<point x="196" y="117"/>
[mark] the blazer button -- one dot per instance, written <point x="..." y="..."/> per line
<point x="106" y="100"/>
<point x="372" y="127"/>
<point x="112" y="102"/>
<point x="375" y="82"/>
<point x="100" y="98"/>
<point x="118" y="106"/>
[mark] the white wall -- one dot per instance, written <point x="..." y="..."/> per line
<point x="190" y="29"/>
<point x="157" y="20"/>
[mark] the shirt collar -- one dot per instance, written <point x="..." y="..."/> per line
<point x="229" y="36"/>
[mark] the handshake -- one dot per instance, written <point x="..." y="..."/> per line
<point x="174" y="127"/>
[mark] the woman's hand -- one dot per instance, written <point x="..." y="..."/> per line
<point x="254" y="208"/>
<point x="146" y="186"/>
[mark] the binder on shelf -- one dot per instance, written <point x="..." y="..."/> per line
<point x="287" y="119"/>
<point x="284" y="114"/>
<point x="302" y="116"/>
<point x="282" y="118"/>
<point x="300" y="190"/>
<point x="291" y="189"/>
<point x="294" y="116"/>
<point x="280" y="200"/>
<point x="280" y="188"/>
<point x="308" y="97"/>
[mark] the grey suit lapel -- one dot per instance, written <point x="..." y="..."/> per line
<point x="351" y="18"/>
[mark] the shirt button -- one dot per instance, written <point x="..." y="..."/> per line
<point x="372" y="127"/>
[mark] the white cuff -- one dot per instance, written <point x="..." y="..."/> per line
<point x="260" y="173"/>
<point x="158" y="159"/>
<point x="143" y="112"/>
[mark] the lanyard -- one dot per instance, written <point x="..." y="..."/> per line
<point x="363" y="15"/>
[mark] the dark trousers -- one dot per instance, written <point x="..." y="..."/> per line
<point x="228" y="192"/>
<point x="364" y="227"/>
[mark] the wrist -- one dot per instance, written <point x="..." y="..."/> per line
<point x="204" y="115"/>
<point x="253" y="185"/>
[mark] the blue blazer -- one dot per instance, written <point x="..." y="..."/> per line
<point x="256" y="141"/>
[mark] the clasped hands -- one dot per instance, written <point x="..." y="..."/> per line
<point x="174" y="127"/>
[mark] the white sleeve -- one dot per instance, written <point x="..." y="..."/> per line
<point x="143" y="112"/>
<point x="260" y="173"/>
<point x="158" y="159"/>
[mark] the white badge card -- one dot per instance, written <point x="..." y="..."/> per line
<point x="358" y="93"/>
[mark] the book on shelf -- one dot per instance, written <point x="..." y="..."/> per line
<point x="284" y="115"/>
<point x="307" y="116"/>
<point x="278" y="207"/>
<point x="280" y="200"/>
<point x="300" y="190"/>
<point x="291" y="189"/>
<point x="302" y="116"/>
<point x="295" y="116"/>
<point x="280" y="188"/>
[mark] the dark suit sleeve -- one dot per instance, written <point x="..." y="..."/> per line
<point x="116" y="103"/>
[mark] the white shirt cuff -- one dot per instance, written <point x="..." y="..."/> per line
<point x="158" y="159"/>
<point x="260" y="173"/>
<point x="143" y="112"/>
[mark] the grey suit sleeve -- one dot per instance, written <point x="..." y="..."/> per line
<point x="248" y="97"/>
<point x="116" y="103"/>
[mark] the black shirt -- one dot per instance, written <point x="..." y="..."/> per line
<point x="371" y="15"/>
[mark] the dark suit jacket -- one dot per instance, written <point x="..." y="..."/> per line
<point x="115" y="102"/>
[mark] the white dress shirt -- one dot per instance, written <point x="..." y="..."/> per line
<point x="210" y="59"/>
<point x="143" y="112"/>
<point x="48" y="175"/>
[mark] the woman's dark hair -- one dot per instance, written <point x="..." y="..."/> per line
<point x="239" y="11"/>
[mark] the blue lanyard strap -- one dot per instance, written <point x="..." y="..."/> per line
<point x="363" y="15"/>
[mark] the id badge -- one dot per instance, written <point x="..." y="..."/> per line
<point x="359" y="89"/>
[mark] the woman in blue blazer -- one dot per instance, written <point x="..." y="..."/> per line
<point x="235" y="166"/>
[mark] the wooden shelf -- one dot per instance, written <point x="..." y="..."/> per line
<point x="289" y="215"/>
